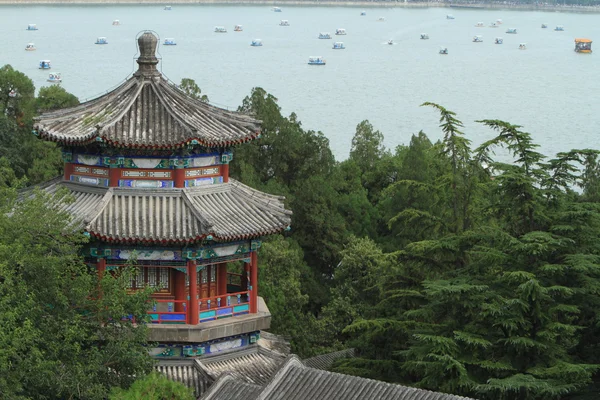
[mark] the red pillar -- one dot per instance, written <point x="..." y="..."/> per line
<point x="114" y="174"/>
<point x="222" y="279"/>
<point x="254" y="282"/>
<point x="193" y="307"/>
<point x="179" y="177"/>
<point x="68" y="168"/>
<point x="246" y="277"/>
<point x="101" y="267"/>
<point x="225" y="172"/>
<point x="179" y="288"/>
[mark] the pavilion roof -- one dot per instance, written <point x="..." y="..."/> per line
<point x="147" y="112"/>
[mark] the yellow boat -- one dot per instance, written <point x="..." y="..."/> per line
<point x="583" y="45"/>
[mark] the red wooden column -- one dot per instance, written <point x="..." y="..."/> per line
<point x="68" y="168"/>
<point x="179" y="289"/>
<point x="222" y="279"/>
<point x="193" y="307"/>
<point x="254" y="282"/>
<point x="246" y="277"/>
<point x="179" y="175"/>
<point x="101" y="267"/>
<point x="114" y="174"/>
<point x="225" y="172"/>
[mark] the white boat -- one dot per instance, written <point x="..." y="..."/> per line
<point x="238" y="28"/>
<point x="220" y="29"/>
<point x="544" y="26"/>
<point x="559" y="28"/>
<point x="340" y="31"/>
<point x="522" y="46"/>
<point x="45" y="64"/>
<point x="449" y="16"/>
<point x="477" y="38"/>
<point x="324" y="35"/>
<point x="284" y="22"/>
<point x="32" y="27"/>
<point x="339" y="46"/>
<point x="101" y="40"/>
<point x="54" y="78"/>
<point x="30" y="47"/>
<point x="499" y="21"/>
<point x="363" y="13"/>
<point x="479" y="25"/>
<point x="512" y="31"/>
<point x="381" y="19"/>
<point x="493" y="25"/>
<point x="256" y="43"/>
<point x="168" y="8"/>
<point x="424" y="36"/>
<point x="316" y="60"/>
<point x="390" y="42"/>
<point x="170" y="42"/>
<point x="276" y="9"/>
<point x="116" y="22"/>
<point x="12" y="93"/>
<point x="498" y="40"/>
<point x="443" y="50"/>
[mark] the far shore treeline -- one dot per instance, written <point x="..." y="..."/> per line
<point x="444" y="268"/>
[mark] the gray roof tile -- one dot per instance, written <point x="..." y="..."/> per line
<point x="324" y="361"/>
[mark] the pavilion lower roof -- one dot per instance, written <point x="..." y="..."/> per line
<point x="147" y="113"/>
<point x="225" y="212"/>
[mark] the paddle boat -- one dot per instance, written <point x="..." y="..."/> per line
<point x="256" y="43"/>
<point x="116" y="22"/>
<point x="340" y="31"/>
<point x="559" y="28"/>
<point x="363" y="13"/>
<point x="324" y="35"/>
<point x="449" y="16"/>
<point x="316" y="60"/>
<point x="544" y="26"/>
<point x="220" y="29"/>
<point x="168" y="8"/>
<point x="390" y="42"/>
<point x="276" y="9"/>
<point x="44" y="64"/>
<point x="583" y="45"/>
<point x="30" y="47"/>
<point x="12" y="93"/>
<point x="477" y="38"/>
<point x="339" y="46"/>
<point x="493" y="25"/>
<point x="169" y="42"/>
<point x="54" y="78"/>
<point x="424" y="36"/>
<point x="101" y="40"/>
<point x="499" y="21"/>
<point x="284" y="22"/>
<point x="443" y="50"/>
<point x="238" y="28"/>
<point x="32" y="27"/>
<point x="479" y="25"/>
<point x="381" y="19"/>
<point x="522" y="46"/>
<point x="512" y="31"/>
<point x="498" y="40"/>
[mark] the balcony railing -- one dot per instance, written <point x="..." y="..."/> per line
<point x="163" y="312"/>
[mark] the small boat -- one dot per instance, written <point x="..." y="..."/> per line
<point x="512" y="31"/>
<point x="284" y="22"/>
<point x="101" y="40"/>
<point x="498" y="40"/>
<point x="559" y="28"/>
<point x="54" y="78"/>
<point x="316" y="60"/>
<point x="424" y="36"/>
<point x="583" y="45"/>
<point x="116" y="22"/>
<point x="324" y="35"/>
<point x="544" y="26"/>
<point x="363" y="13"/>
<point x="30" y="47"/>
<point x="340" y="31"/>
<point x="479" y="25"/>
<point x="443" y="50"/>
<point x="276" y="9"/>
<point x="256" y="43"/>
<point x="220" y="29"/>
<point x="390" y="42"/>
<point x="169" y="42"/>
<point x="493" y="25"/>
<point x="381" y="19"/>
<point x="44" y="64"/>
<point x="477" y="39"/>
<point x="449" y="16"/>
<point x="499" y="21"/>
<point x="12" y="93"/>
<point x="168" y="8"/>
<point x="339" y="46"/>
<point x="238" y="28"/>
<point x="522" y="46"/>
<point x="32" y="27"/>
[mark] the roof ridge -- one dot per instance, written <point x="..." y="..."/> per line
<point x="291" y="362"/>
<point x="103" y="204"/>
<point x="125" y="109"/>
<point x="197" y="213"/>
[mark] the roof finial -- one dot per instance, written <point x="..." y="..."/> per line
<point x="147" y="60"/>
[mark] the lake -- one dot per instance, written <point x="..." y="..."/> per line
<point x="551" y="90"/>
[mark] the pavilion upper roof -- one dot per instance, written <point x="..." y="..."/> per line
<point x="147" y="112"/>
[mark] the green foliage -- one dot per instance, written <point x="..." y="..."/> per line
<point x="191" y="88"/>
<point x="55" y="97"/>
<point x="153" y="387"/>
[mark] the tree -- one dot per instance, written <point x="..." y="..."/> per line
<point x="153" y="387"/>
<point x="189" y="87"/>
<point x="55" y="97"/>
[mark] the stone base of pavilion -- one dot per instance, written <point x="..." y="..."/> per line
<point x="212" y="330"/>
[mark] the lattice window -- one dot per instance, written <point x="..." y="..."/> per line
<point x="213" y="273"/>
<point x="152" y="275"/>
<point x="164" y="278"/>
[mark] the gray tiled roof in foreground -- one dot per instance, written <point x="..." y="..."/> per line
<point x="227" y="211"/>
<point x="325" y="361"/>
<point x="295" y="381"/>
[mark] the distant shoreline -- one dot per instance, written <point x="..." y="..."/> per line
<point x="341" y="3"/>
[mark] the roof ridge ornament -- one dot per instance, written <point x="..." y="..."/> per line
<point x="147" y="61"/>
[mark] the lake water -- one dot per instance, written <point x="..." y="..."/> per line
<point x="548" y="88"/>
